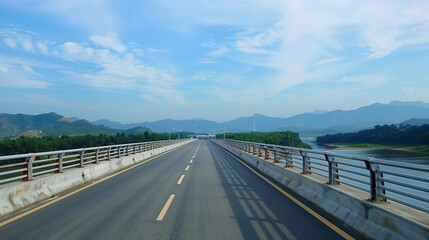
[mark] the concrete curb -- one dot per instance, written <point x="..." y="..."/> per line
<point x="18" y="195"/>
<point x="371" y="220"/>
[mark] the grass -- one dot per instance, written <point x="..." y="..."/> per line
<point x="423" y="148"/>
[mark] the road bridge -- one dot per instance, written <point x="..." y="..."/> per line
<point x="198" y="191"/>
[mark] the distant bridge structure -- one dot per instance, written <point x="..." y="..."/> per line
<point x="203" y="136"/>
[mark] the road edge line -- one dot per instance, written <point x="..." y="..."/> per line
<point x="296" y="201"/>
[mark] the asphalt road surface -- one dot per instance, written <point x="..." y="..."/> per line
<point x="197" y="191"/>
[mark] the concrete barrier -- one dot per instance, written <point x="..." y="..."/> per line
<point x="387" y="220"/>
<point x="18" y="195"/>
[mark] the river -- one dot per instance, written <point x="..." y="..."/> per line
<point x="395" y="155"/>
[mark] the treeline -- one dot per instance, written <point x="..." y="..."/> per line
<point x="286" y="138"/>
<point x="386" y="134"/>
<point x="52" y="143"/>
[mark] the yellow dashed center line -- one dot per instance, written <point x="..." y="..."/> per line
<point x="74" y="192"/>
<point x="187" y="168"/>
<point x="165" y="208"/>
<point x="181" y="179"/>
<point x="191" y="161"/>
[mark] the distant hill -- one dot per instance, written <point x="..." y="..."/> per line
<point x="319" y="122"/>
<point x="195" y="125"/>
<point x="51" y="124"/>
<point x="115" y="125"/>
<point x="416" y="121"/>
<point x="386" y="134"/>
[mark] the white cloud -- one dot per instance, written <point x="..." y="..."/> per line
<point x="219" y="52"/>
<point x="209" y="43"/>
<point x="28" y="62"/>
<point x="15" y="39"/>
<point x="109" y="40"/>
<point x="42" y="48"/>
<point x="256" y="43"/>
<point x="4" y="69"/>
<point x="27" y="44"/>
<point x="329" y="60"/>
<point x="28" y="69"/>
<point x="14" y="77"/>
<point x="10" y="42"/>
<point x="148" y="97"/>
<point x="118" y="69"/>
<point x="153" y="50"/>
<point x="309" y="34"/>
<point x="408" y="91"/>
<point x="74" y="51"/>
<point x="367" y="80"/>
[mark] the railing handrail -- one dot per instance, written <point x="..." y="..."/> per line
<point x="379" y="181"/>
<point x="16" y="156"/>
<point x="26" y="166"/>
<point x="412" y="166"/>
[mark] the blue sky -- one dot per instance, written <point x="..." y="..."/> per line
<point x="134" y="61"/>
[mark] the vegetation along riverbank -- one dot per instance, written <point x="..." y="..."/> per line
<point x="392" y="137"/>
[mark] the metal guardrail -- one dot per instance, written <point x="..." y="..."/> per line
<point x="401" y="182"/>
<point x="26" y="166"/>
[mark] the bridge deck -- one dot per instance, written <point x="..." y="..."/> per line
<point x="217" y="198"/>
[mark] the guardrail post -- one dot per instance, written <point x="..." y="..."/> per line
<point x="267" y="154"/>
<point x="81" y="159"/>
<point x="29" y="167"/>
<point x="276" y="152"/>
<point x="96" y="155"/>
<point x="332" y="172"/>
<point x="259" y="151"/>
<point x="60" y="163"/>
<point x="108" y="153"/>
<point x="375" y="182"/>
<point x="289" y="163"/>
<point x="305" y="163"/>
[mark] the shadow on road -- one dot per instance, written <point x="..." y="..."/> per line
<point x="253" y="216"/>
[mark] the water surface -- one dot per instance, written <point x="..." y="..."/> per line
<point x="395" y="155"/>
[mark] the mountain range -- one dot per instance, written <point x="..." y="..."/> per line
<point x="51" y="124"/>
<point x="319" y="122"/>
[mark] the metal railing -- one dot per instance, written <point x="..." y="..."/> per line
<point x="401" y="182"/>
<point x="26" y="166"/>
